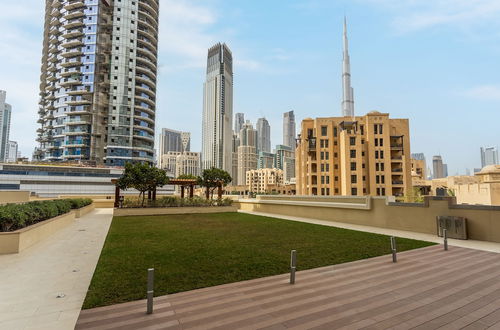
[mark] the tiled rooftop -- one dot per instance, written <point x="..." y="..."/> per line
<point x="426" y="289"/>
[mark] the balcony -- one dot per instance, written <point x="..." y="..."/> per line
<point x="397" y="182"/>
<point x="74" y="5"/>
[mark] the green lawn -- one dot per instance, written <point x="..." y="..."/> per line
<point x="200" y="250"/>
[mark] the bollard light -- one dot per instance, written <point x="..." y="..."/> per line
<point x="445" y="238"/>
<point x="394" y="249"/>
<point x="150" y="291"/>
<point x="293" y="266"/>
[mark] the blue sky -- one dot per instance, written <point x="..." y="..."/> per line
<point x="432" y="61"/>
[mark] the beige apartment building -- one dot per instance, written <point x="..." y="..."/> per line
<point x="418" y="168"/>
<point x="361" y="155"/>
<point x="247" y="161"/>
<point x="264" y="180"/>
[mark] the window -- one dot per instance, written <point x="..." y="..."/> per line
<point x="328" y="191"/>
<point x="363" y="165"/>
<point x="322" y="167"/>
<point x="382" y="166"/>
<point x="381" y="142"/>
<point x="327" y="179"/>
<point x="364" y="178"/>
<point x="335" y="155"/>
<point x="353" y="166"/>
<point x="362" y="153"/>
<point x="322" y="155"/>
<point x="376" y="142"/>
<point x="375" y="128"/>
<point x="324" y="130"/>
<point x="378" y="191"/>
<point x="337" y="178"/>
<point x="383" y="178"/>
<point x="334" y="143"/>
<point x="327" y="155"/>
<point x="381" y="154"/>
<point x="376" y="154"/>
<point x="353" y="153"/>
<point x="335" y="131"/>
<point x="322" y="179"/>
<point x="377" y="166"/>
<point x="383" y="191"/>
<point x="336" y="167"/>
<point x="354" y="178"/>
<point x="352" y="141"/>
<point x="322" y="143"/>
<point x="326" y="143"/>
<point x="327" y="167"/>
<point x="377" y="179"/>
<point x="362" y="128"/>
<point x="336" y="190"/>
<point x="380" y="129"/>
<point x="354" y="191"/>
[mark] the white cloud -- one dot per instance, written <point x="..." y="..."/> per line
<point x="412" y="15"/>
<point x="484" y="92"/>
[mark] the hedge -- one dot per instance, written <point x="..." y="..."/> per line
<point x="174" y="201"/>
<point x="17" y="216"/>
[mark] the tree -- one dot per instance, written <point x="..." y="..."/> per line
<point x="142" y="177"/>
<point x="213" y="178"/>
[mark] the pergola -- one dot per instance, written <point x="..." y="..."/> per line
<point x="184" y="183"/>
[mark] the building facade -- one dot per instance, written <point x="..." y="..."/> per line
<point x="172" y="140"/>
<point x="247" y="152"/>
<point x="263" y="135"/>
<point x="266" y="160"/>
<point x="58" y="180"/>
<point x="264" y="180"/>
<point x="98" y="81"/>
<point x="187" y="163"/>
<point x="418" y="166"/>
<point x="12" y="152"/>
<point x="285" y="160"/>
<point x="369" y="155"/>
<point x="217" y="124"/>
<point x="289" y="129"/>
<point x="239" y="120"/>
<point x="437" y="167"/>
<point x="489" y="156"/>
<point x="5" y="118"/>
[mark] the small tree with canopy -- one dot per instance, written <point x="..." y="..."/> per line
<point x="212" y="179"/>
<point x="142" y="177"/>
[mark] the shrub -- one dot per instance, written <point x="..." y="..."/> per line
<point x="175" y="201"/>
<point x="17" y="216"/>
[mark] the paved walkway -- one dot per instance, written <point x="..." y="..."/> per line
<point x="426" y="289"/>
<point x="471" y="244"/>
<point x="64" y="263"/>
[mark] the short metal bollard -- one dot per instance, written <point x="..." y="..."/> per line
<point x="394" y="249"/>
<point x="445" y="238"/>
<point x="293" y="266"/>
<point x="150" y="292"/>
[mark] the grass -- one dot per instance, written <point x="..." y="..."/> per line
<point x="201" y="250"/>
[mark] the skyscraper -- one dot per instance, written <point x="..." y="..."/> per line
<point x="285" y="160"/>
<point x="172" y="141"/>
<point x="217" y="135"/>
<point x="437" y="167"/>
<point x="98" y="81"/>
<point x="289" y="129"/>
<point x="348" y="92"/>
<point x="12" y="152"/>
<point x="5" y="114"/>
<point x="263" y="135"/>
<point x="239" y="120"/>
<point x="489" y="156"/>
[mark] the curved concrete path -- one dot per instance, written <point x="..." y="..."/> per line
<point x="62" y="264"/>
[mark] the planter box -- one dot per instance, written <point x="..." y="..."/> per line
<point x="84" y="210"/>
<point x="17" y="241"/>
<point x="172" y="210"/>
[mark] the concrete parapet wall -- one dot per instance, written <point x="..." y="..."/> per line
<point x="172" y="210"/>
<point x="14" y="196"/>
<point x="483" y="221"/>
<point x="17" y="241"/>
<point x="84" y="210"/>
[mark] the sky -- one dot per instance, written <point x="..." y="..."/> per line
<point x="435" y="62"/>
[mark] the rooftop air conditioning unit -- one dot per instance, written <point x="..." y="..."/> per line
<point x="456" y="227"/>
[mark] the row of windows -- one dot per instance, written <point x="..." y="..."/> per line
<point x="379" y="142"/>
<point x="379" y="154"/>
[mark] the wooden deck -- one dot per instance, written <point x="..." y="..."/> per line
<point x="427" y="289"/>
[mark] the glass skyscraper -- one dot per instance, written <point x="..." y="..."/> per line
<point x="217" y="133"/>
<point x="98" y="81"/>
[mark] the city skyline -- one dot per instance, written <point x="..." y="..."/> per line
<point x="390" y="79"/>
